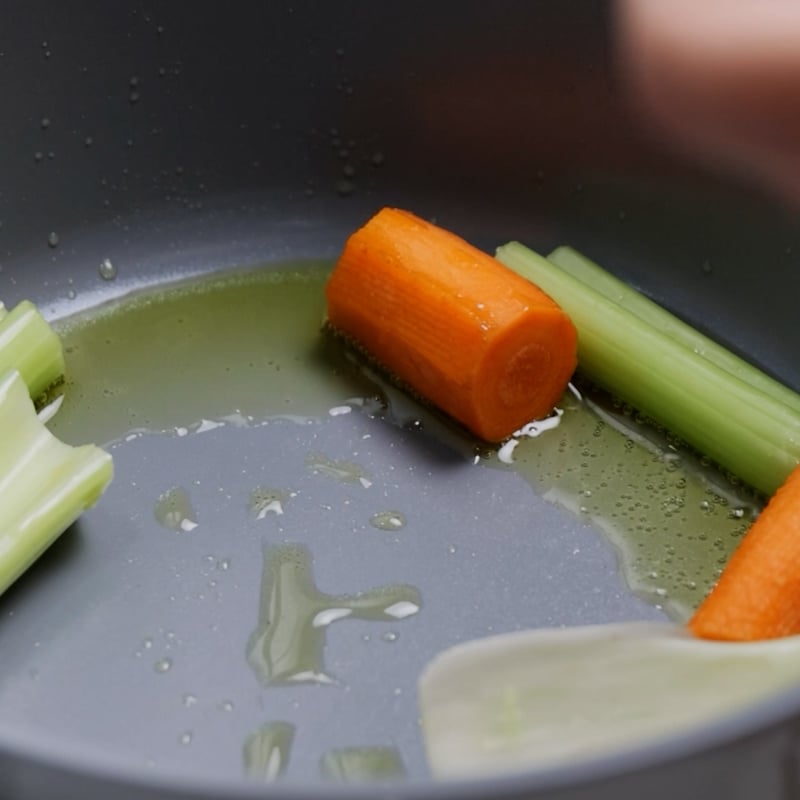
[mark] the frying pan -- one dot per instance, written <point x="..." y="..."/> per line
<point x="178" y="139"/>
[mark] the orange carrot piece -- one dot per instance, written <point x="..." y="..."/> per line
<point x="758" y="593"/>
<point x="462" y="330"/>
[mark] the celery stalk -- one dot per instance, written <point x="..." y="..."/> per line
<point x="586" y="270"/>
<point x="30" y="346"/>
<point x="745" y="430"/>
<point x="44" y="483"/>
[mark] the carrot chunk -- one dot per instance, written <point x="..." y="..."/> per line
<point x="758" y="593"/>
<point x="463" y="331"/>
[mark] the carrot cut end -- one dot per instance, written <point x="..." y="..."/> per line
<point x="466" y="333"/>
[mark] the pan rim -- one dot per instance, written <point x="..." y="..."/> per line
<point x="81" y="763"/>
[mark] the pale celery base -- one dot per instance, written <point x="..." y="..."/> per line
<point x="44" y="484"/>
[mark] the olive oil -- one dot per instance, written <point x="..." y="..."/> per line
<point x="243" y="347"/>
<point x="164" y="360"/>
<point x="174" y="511"/>
<point x="266" y="751"/>
<point x="362" y="765"/>
<point x="213" y="356"/>
<point x="673" y="519"/>
<point x="288" y="644"/>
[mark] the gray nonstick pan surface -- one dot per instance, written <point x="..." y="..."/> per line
<point x="143" y="145"/>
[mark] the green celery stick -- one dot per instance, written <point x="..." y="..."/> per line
<point x="30" y="346"/>
<point x="586" y="270"/>
<point x="743" y="429"/>
<point x="44" y="484"/>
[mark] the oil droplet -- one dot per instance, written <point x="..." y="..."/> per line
<point x="344" y="471"/>
<point x="52" y="239"/>
<point x="266" y="752"/>
<point x="174" y="511"/>
<point x="388" y="520"/>
<point x="390" y="636"/>
<point x="288" y="644"/>
<point x="163" y="665"/>
<point x="226" y="705"/>
<point x="107" y="270"/>
<point x="265" y="501"/>
<point x="189" y="700"/>
<point x="362" y="764"/>
<point x="186" y="738"/>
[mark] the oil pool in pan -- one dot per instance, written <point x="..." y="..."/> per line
<point x="243" y="351"/>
